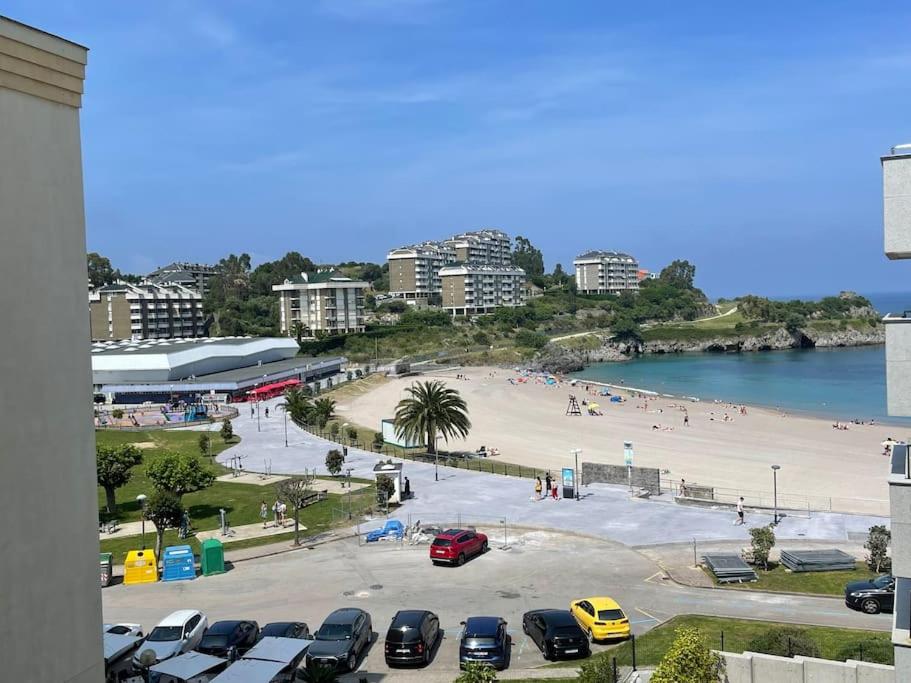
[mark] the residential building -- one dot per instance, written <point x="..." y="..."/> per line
<point x="145" y="311"/>
<point x="48" y="492"/>
<point x="897" y="245"/>
<point x="324" y="302"/>
<point x="414" y="271"/>
<point x="493" y="247"/>
<point x="196" y="276"/>
<point x="606" y="272"/>
<point x="469" y="288"/>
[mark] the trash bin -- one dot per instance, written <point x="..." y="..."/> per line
<point x="178" y="563"/>
<point x="212" y="559"/>
<point x="107" y="568"/>
<point x="140" y="567"/>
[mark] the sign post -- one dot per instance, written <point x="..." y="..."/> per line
<point x="628" y="461"/>
<point x="569" y="483"/>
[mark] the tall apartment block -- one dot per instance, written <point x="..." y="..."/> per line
<point x="493" y="247"/>
<point x="324" y="302"/>
<point x="470" y="288"/>
<point x="606" y="272"/>
<point x="897" y="229"/>
<point x="48" y="492"/>
<point x="196" y="276"/>
<point x="145" y="311"/>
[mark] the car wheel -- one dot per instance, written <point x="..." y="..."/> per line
<point x="548" y="655"/>
<point x="461" y="559"/>
<point x="352" y="662"/>
<point x="870" y="606"/>
<point x="591" y="636"/>
<point x="484" y="547"/>
<point x="524" y="628"/>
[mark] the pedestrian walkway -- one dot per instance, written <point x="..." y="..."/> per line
<point x="125" y="529"/>
<point x="247" y="531"/>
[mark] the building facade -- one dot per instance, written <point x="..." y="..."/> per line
<point x="325" y="303"/>
<point x="897" y="245"/>
<point x="195" y="276"/>
<point x="145" y="311"/>
<point x="48" y="492"/>
<point x="469" y="288"/>
<point x="493" y="247"/>
<point x="606" y="272"/>
<point x="414" y="271"/>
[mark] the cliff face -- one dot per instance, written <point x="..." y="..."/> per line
<point x="556" y="358"/>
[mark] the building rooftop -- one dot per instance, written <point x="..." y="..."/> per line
<point x="461" y="268"/>
<point x="170" y="346"/>
<point x="322" y="277"/>
<point x="598" y="253"/>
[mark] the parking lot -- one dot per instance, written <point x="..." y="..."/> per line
<point x="541" y="569"/>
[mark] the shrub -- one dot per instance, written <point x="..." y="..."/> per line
<point x="762" y="541"/>
<point x="481" y="339"/>
<point x="334" y="429"/>
<point x="378" y="440"/>
<point x="689" y="659"/>
<point x="878" y="546"/>
<point x="876" y="650"/>
<point x="785" y="641"/>
<point x="475" y="672"/>
<point x="385" y="488"/>
<point x="532" y="340"/>
<point x="596" y="670"/>
<point x="117" y="413"/>
<point x="227" y="431"/>
<point x="334" y="461"/>
<point x="352" y="433"/>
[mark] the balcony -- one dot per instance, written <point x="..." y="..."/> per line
<point x="897" y="205"/>
<point x="898" y="364"/>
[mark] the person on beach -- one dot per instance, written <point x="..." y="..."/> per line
<point x="554" y="492"/>
<point x="538" y="488"/>
<point x="686" y="419"/>
<point x="263" y="513"/>
<point x="740" y="520"/>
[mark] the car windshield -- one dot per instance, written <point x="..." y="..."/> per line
<point x="334" y="632"/>
<point x="276" y="630"/>
<point x="610" y="614"/>
<point x="882" y="581"/>
<point x="161" y="634"/>
<point x="213" y="641"/>
<point x="479" y="641"/>
<point x="445" y="542"/>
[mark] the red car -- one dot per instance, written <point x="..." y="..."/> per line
<point x="454" y="546"/>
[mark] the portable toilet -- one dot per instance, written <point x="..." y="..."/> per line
<point x="212" y="557"/>
<point x="178" y="563"/>
<point x="140" y="567"/>
<point x="107" y="568"/>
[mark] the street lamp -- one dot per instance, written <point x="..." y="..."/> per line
<point x="436" y="457"/>
<point x="348" y="474"/>
<point x="628" y="461"/>
<point x="775" y="469"/>
<point x="576" y="452"/>
<point x="141" y="499"/>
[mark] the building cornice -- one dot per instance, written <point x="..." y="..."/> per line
<point x="41" y="65"/>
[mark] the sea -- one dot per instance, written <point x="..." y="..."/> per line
<point x="838" y="384"/>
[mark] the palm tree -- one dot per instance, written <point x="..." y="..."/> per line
<point x="323" y="410"/>
<point x="298" y="406"/>
<point x="432" y="408"/>
<point x="298" y="329"/>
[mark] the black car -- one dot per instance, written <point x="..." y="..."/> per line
<point x="872" y="597"/>
<point x="485" y="640"/>
<point x="285" y="629"/>
<point x="556" y="633"/>
<point x="411" y="637"/>
<point x="341" y="640"/>
<point x="229" y="639"/>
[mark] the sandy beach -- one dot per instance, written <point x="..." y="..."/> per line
<point x="527" y="423"/>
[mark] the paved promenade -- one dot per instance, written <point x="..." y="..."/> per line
<point x="460" y="495"/>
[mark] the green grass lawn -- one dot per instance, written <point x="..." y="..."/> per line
<point x="834" y="643"/>
<point x="779" y="579"/>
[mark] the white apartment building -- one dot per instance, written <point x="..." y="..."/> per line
<point x="606" y="272"/>
<point x="480" y="288"/>
<point x="324" y="302"/>
<point x="145" y="311"/>
<point x="493" y="247"/>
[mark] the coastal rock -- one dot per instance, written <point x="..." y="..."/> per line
<point x="561" y="359"/>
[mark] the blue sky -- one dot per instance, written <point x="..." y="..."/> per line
<point x="743" y="138"/>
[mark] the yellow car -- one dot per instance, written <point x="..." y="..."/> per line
<point x="600" y="618"/>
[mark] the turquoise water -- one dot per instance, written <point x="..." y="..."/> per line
<point x="836" y="383"/>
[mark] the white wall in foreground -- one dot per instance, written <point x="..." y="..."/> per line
<point x="750" y="667"/>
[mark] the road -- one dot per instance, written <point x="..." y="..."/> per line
<point x="541" y="569"/>
<point x="585" y="334"/>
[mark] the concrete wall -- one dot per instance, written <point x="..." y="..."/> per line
<point x="648" y="478"/>
<point x="48" y="501"/>
<point x="750" y="667"/>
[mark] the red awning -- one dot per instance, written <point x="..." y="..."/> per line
<point x="274" y="386"/>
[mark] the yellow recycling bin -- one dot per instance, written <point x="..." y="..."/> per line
<point x="140" y="567"/>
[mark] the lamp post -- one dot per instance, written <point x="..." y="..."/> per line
<point x="348" y="475"/>
<point x="775" y="469"/>
<point x="576" y="452"/>
<point x="436" y="458"/>
<point x="628" y="461"/>
<point x="285" y="413"/>
<point x="141" y="499"/>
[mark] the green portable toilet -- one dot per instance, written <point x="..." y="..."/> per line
<point x="213" y="557"/>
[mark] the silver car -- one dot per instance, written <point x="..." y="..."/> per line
<point x="177" y="633"/>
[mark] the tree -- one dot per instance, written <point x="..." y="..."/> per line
<point x="334" y="461"/>
<point x="351" y="432"/>
<point x="165" y="511"/>
<point x="679" y="273"/>
<point x="385" y="488"/>
<point x="179" y="473"/>
<point x="527" y="257"/>
<point x="476" y="672"/>
<point x="762" y="541"/>
<point x="298" y="406"/>
<point x="689" y="659"/>
<point x="99" y="269"/>
<point x="626" y="330"/>
<point x="114" y="469"/>
<point x="227" y="431"/>
<point x="205" y="443"/>
<point x="431" y="408"/>
<point x="378" y="441"/>
<point x="323" y="410"/>
<point x="785" y="641"/>
<point x="878" y="546"/>
<point x="298" y="330"/>
<point x="296" y="491"/>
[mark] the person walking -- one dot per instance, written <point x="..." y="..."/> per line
<point x="683" y="488"/>
<point x="252" y="412"/>
<point x="686" y="419"/>
<point x="547" y="481"/>
<point x="282" y="508"/>
<point x="739" y="512"/>
<point x="553" y="491"/>
<point x="267" y="412"/>
<point x="263" y="512"/>
<point x="538" y="488"/>
<point x="275" y="511"/>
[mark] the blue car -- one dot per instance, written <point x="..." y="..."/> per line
<point x="485" y="641"/>
<point x="392" y="527"/>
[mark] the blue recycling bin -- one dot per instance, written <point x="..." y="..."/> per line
<point x="178" y="563"/>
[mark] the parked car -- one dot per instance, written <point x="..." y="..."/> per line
<point x="872" y="597"/>
<point x="601" y="618"/>
<point x="556" y="633"/>
<point x="229" y="639"/>
<point x="340" y="641"/>
<point x="411" y="637"/>
<point x="285" y="629"/>
<point x="177" y="633"/>
<point x="454" y="546"/>
<point x="123" y="629"/>
<point x="485" y="640"/>
<point x="119" y="649"/>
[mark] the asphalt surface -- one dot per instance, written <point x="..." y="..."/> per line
<point x="541" y="569"/>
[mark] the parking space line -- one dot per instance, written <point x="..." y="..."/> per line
<point x="650" y="617"/>
<point x="649" y="579"/>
